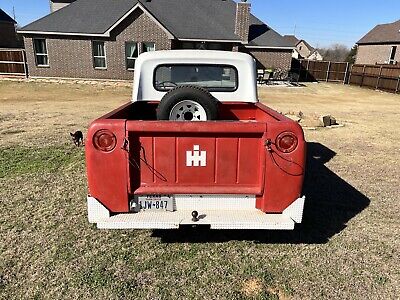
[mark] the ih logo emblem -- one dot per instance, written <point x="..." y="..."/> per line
<point x="196" y="158"/>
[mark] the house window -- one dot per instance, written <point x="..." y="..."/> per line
<point x="147" y="47"/>
<point x="99" y="55"/>
<point x="392" y="55"/>
<point x="41" y="55"/>
<point x="131" y="52"/>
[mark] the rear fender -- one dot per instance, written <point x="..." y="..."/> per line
<point x="107" y="171"/>
<point x="285" y="171"/>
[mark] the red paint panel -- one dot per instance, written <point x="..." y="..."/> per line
<point x="227" y="157"/>
<point x="249" y="161"/>
<point x="199" y="189"/>
<point x="146" y="160"/>
<point x="155" y="127"/>
<point x="164" y="160"/>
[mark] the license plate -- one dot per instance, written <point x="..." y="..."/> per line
<point x="156" y="202"/>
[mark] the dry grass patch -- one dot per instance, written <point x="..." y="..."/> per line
<point x="252" y="287"/>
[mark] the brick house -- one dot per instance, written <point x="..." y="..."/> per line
<point x="8" y="35"/>
<point x="381" y="45"/>
<point x="102" y="38"/>
<point x="302" y="49"/>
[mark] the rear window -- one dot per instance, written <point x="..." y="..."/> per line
<point x="215" y="78"/>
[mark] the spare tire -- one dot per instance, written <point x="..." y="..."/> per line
<point x="188" y="103"/>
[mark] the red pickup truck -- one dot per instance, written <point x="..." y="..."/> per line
<point x="195" y="147"/>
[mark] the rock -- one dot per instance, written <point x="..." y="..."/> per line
<point x="327" y="120"/>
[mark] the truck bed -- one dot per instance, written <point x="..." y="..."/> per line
<point x="239" y="112"/>
<point x="165" y="158"/>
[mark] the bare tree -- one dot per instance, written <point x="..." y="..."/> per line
<point x="335" y="52"/>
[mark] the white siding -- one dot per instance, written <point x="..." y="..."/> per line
<point x="57" y="6"/>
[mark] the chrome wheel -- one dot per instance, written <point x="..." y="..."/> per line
<point x="188" y="110"/>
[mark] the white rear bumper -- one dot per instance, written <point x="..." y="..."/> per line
<point x="248" y="218"/>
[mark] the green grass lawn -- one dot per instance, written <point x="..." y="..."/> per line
<point x="347" y="247"/>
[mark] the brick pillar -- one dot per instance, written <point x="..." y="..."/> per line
<point x="242" y="22"/>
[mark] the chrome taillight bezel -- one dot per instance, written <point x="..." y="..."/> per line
<point x="284" y="135"/>
<point x="104" y="140"/>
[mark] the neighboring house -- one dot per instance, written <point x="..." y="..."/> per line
<point x="302" y="49"/>
<point x="381" y="45"/>
<point x="315" y="55"/>
<point x="102" y="38"/>
<point x="8" y="35"/>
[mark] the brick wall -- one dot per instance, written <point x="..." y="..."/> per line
<point x="372" y="54"/>
<point x="8" y="36"/>
<point x="242" y="23"/>
<point x="271" y="58"/>
<point x="72" y="56"/>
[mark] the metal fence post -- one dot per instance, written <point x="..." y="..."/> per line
<point x="24" y="61"/>
<point x="299" y="68"/>
<point x="379" y="78"/>
<point x="327" y="72"/>
<point x="350" y="73"/>
<point x="307" y="69"/>
<point x="345" y="73"/>
<point x="362" y="76"/>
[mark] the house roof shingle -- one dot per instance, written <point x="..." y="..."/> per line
<point x="5" y="17"/>
<point x="293" y="40"/>
<point x="383" y="33"/>
<point x="261" y="34"/>
<point x="188" y="19"/>
<point x="75" y="18"/>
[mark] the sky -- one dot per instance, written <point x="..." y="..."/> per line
<point x="321" y="23"/>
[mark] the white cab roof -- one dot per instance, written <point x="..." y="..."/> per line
<point x="146" y="63"/>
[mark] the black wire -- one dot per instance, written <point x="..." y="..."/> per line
<point x="271" y="151"/>
<point x="154" y="171"/>
<point x="136" y="165"/>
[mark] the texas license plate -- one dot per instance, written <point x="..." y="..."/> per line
<point x="156" y="202"/>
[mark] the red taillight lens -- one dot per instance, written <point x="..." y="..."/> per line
<point x="286" y="142"/>
<point x="104" y="140"/>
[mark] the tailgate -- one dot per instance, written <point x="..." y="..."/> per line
<point x="196" y="157"/>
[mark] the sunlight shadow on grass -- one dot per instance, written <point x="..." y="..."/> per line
<point x="330" y="203"/>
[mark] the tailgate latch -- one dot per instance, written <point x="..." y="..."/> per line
<point x="268" y="144"/>
<point x="125" y="145"/>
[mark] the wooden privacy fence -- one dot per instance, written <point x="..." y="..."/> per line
<point x="380" y="77"/>
<point x="310" y="70"/>
<point x="13" y="62"/>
